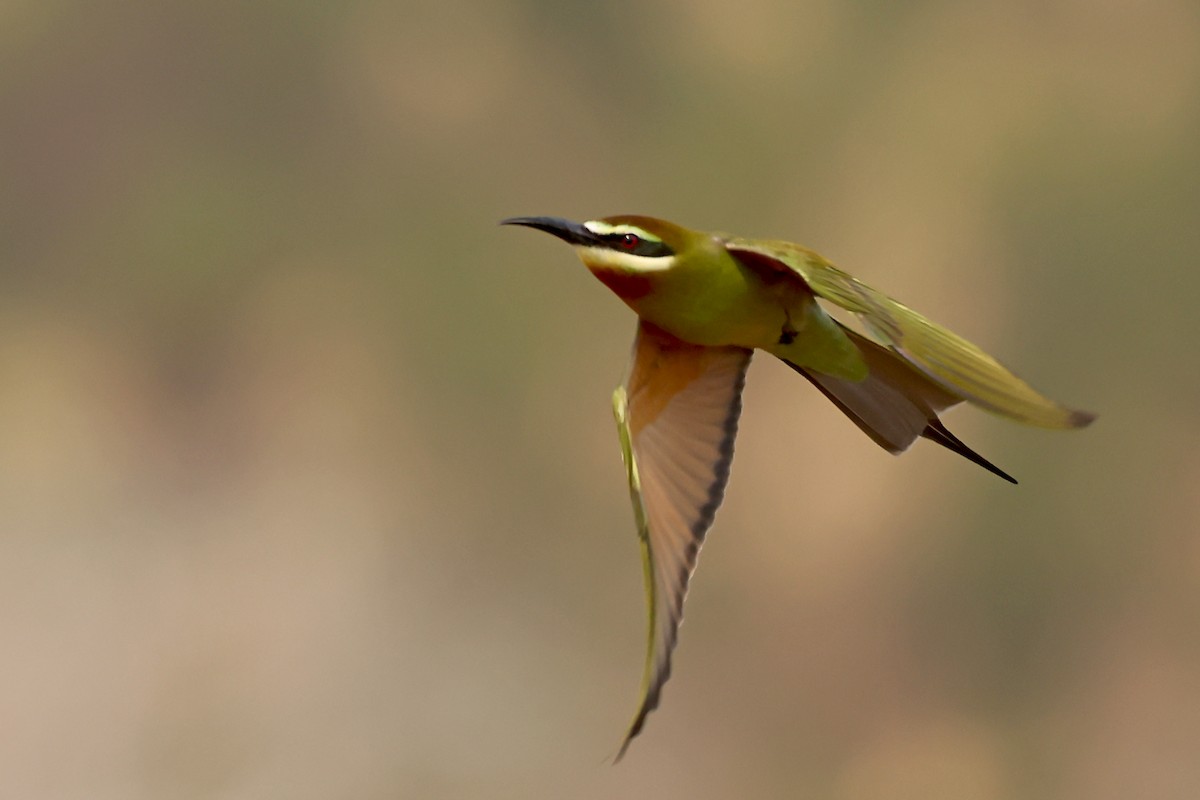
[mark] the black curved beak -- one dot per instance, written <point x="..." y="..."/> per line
<point x="569" y="232"/>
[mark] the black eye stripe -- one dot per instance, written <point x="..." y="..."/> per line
<point x="644" y="247"/>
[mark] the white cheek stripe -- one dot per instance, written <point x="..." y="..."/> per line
<point x="604" y="229"/>
<point x="604" y="257"/>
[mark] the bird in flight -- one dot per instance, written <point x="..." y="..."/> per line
<point x="705" y="302"/>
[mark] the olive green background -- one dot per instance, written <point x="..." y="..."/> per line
<point x="309" y="486"/>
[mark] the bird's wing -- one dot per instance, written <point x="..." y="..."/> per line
<point x="895" y="403"/>
<point x="677" y="417"/>
<point x="954" y="363"/>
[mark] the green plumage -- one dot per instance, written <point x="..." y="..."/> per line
<point x="945" y="357"/>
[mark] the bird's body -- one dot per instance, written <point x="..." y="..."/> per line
<point x="705" y="303"/>
<point x="705" y="296"/>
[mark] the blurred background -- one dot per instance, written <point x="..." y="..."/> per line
<point x="309" y="486"/>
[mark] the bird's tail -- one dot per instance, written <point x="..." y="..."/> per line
<point x="895" y="404"/>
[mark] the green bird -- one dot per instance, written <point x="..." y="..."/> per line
<point x="705" y="302"/>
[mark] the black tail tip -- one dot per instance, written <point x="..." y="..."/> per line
<point x="935" y="431"/>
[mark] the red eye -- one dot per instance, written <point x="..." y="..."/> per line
<point x="630" y="241"/>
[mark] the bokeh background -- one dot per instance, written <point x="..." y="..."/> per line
<point x="308" y="482"/>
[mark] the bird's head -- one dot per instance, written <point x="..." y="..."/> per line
<point x="625" y="252"/>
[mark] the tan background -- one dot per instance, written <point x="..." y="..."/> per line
<point x="308" y="482"/>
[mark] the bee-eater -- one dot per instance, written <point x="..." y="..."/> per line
<point x="705" y="302"/>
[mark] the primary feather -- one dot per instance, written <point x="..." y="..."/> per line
<point x="951" y="361"/>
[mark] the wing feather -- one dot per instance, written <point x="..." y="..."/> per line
<point x="677" y="418"/>
<point x="948" y="359"/>
<point x="895" y="404"/>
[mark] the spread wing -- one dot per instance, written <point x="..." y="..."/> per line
<point x="677" y="417"/>
<point x="948" y="359"/>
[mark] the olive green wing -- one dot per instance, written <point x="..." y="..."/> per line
<point x="677" y="417"/>
<point x="954" y="363"/>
